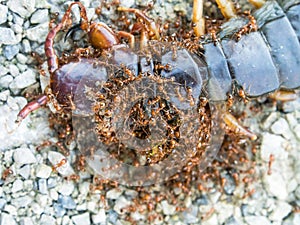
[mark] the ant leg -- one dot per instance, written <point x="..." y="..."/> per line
<point x="128" y="36"/>
<point x="150" y="24"/>
<point x="197" y="18"/>
<point x="257" y="3"/>
<point x="227" y="8"/>
<point x="31" y="106"/>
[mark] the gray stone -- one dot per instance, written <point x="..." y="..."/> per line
<point x="59" y="210"/>
<point x="83" y="218"/>
<point x="190" y="215"/>
<point x="25" y="79"/>
<point x="66" y="202"/>
<point x="6" y="80"/>
<point x="7" y="219"/>
<point x="38" y="33"/>
<point x="43" y="171"/>
<point x="10" y="51"/>
<point x="40" y="16"/>
<point x="24" y="156"/>
<point x="51" y="182"/>
<point x="3" y="13"/>
<point x="22" y="7"/>
<point x="7" y="36"/>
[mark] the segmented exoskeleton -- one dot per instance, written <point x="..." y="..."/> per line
<point x="260" y="61"/>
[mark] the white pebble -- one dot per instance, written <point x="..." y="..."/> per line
<point x="43" y="171"/>
<point x="7" y="219"/>
<point x="255" y="220"/>
<point x="8" y="36"/>
<point x="47" y="220"/>
<point x="120" y="204"/>
<point x="3" y="13"/>
<point x="273" y="144"/>
<point x="167" y="208"/>
<point x="100" y="217"/>
<point x="24" y="156"/>
<point x="114" y="193"/>
<point x="22" y="7"/>
<point x="17" y="186"/>
<point x="55" y="158"/>
<point x="25" y="79"/>
<point x="39" y="16"/>
<point x="38" y="33"/>
<point x="281" y="210"/>
<point x="82" y="219"/>
<point x="276" y="185"/>
<point x="66" y="188"/>
<point x="281" y="127"/>
<point x="26" y="221"/>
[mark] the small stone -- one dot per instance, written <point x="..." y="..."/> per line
<point x="255" y="220"/>
<point x="2" y="203"/>
<point x="276" y="185"/>
<point x="8" y="36"/>
<point x="22" y="7"/>
<point x="55" y="158"/>
<point x="167" y="208"/>
<point x="42" y="186"/>
<point x="281" y="210"/>
<point x="24" y="156"/>
<point x="4" y="95"/>
<point x="43" y="171"/>
<point x="11" y="209"/>
<point x="297" y="131"/>
<point x="293" y="219"/>
<point x="190" y="215"/>
<point x="66" y="188"/>
<point x="91" y="206"/>
<point x="14" y="70"/>
<point x="3" y="70"/>
<point x="22" y="59"/>
<point x="231" y="221"/>
<point x="53" y="194"/>
<point x="17" y="186"/>
<point x="25" y="171"/>
<point x="38" y="33"/>
<point x="25" y="79"/>
<point x="82" y="219"/>
<point x="120" y="204"/>
<point x="7" y="219"/>
<point x="114" y="193"/>
<point x="273" y="144"/>
<point x="9" y="51"/>
<point x="51" y="182"/>
<point x="26" y="47"/>
<point x="59" y="210"/>
<point x="5" y="81"/>
<point x="28" y="185"/>
<point x="112" y="216"/>
<point x="84" y="188"/>
<point x="23" y="201"/>
<point x="26" y="221"/>
<point x="281" y="126"/>
<point x="66" y="202"/>
<point x="40" y="16"/>
<point x="47" y="220"/>
<point x="212" y="220"/>
<point x="3" y="13"/>
<point x="100" y="217"/>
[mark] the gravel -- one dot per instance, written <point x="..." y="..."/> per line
<point x="35" y="193"/>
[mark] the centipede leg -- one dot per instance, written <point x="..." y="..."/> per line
<point x="234" y="126"/>
<point x="257" y="3"/>
<point x="197" y="18"/>
<point x="227" y="8"/>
